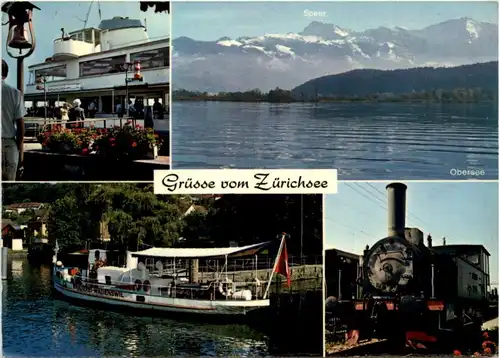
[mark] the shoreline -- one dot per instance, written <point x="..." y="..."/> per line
<point x="197" y="99"/>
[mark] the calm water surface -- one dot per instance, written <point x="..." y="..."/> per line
<point x="36" y="324"/>
<point x="363" y="141"/>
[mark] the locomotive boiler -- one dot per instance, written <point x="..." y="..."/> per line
<point x="413" y="293"/>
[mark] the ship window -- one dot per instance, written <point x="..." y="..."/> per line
<point x="52" y="73"/>
<point x="97" y="38"/>
<point x="473" y="258"/>
<point x="152" y="58"/>
<point x="102" y="66"/>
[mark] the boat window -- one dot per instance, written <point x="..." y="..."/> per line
<point x="97" y="39"/>
<point x="52" y="73"/>
<point x="152" y="58"/>
<point x="102" y="66"/>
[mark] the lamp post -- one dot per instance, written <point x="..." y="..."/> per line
<point x="126" y="66"/>
<point x="137" y="77"/>
<point x="20" y="13"/>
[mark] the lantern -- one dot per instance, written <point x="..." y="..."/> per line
<point x="137" y="71"/>
<point x="20" y="13"/>
<point x="40" y="82"/>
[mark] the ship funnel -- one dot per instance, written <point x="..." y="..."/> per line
<point x="396" y="206"/>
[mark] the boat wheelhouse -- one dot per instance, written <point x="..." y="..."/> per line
<point x="93" y="64"/>
<point x="169" y="280"/>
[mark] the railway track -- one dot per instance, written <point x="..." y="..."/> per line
<point x="364" y="347"/>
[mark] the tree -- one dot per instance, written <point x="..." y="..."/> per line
<point x="64" y="224"/>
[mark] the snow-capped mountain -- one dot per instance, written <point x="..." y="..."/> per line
<point x="287" y="60"/>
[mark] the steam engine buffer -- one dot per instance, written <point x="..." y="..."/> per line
<point x="416" y="294"/>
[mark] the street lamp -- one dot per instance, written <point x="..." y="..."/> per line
<point x="41" y="81"/>
<point x="137" y="77"/>
<point x="20" y="13"/>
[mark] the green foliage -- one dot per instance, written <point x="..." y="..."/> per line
<point x="255" y="95"/>
<point x="21" y="218"/>
<point x="40" y="193"/>
<point x="64" y="223"/>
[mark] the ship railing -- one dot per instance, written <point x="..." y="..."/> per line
<point x="175" y="291"/>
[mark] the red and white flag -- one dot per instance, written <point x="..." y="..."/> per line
<point x="282" y="263"/>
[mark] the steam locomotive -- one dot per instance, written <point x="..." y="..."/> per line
<point x="409" y="292"/>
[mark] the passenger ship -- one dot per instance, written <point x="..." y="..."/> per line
<point x="156" y="280"/>
<point x="92" y="64"/>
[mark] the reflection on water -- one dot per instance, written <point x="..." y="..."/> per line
<point x="364" y="141"/>
<point x="36" y="324"/>
<point x="16" y="268"/>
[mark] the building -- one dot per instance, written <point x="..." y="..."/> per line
<point x="22" y="207"/>
<point x="11" y="238"/>
<point x="195" y="209"/>
<point x="37" y="227"/>
<point x="341" y="274"/>
<point x="92" y="64"/>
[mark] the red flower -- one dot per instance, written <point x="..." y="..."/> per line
<point x="138" y="126"/>
<point x="134" y="144"/>
<point x="456" y="352"/>
<point x="85" y="151"/>
<point x="486" y="335"/>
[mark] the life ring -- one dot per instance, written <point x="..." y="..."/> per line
<point x="146" y="286"/>
<point x="226" y="287"/>
<point x="138" y="285"/>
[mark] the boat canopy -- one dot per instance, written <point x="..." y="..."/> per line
<point x="202" y="253"/>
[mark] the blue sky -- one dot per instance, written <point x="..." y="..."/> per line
<point x="213" y="20"/>
<point x="464" y="213"/>
<point x="54" y="15"/>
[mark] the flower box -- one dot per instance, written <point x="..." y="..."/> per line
<point x="118" y="143"/>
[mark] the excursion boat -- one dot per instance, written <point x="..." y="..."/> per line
<point x="169" y="280"/>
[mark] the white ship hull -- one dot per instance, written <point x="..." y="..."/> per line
<point x="119" y="298"/>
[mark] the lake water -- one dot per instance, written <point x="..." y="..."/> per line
<point x="363" y="141"/>
<point x="34" y="323"/>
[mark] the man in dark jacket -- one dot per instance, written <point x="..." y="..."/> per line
<point x="77" y="113"/>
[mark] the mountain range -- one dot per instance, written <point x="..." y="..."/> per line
<point x="288" y="60"/>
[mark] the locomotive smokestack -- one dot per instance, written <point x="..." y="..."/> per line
<point x="396" y="205"/>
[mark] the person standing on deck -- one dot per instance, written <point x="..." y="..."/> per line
<point x="64" y="114"/>
<point x="77" y="113"/>
<point x="92" y="109"/>
<point x="12" y="129"/>
<point x="119" y="110"/>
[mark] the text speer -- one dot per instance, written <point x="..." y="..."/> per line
<point x="309" y="13"/>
